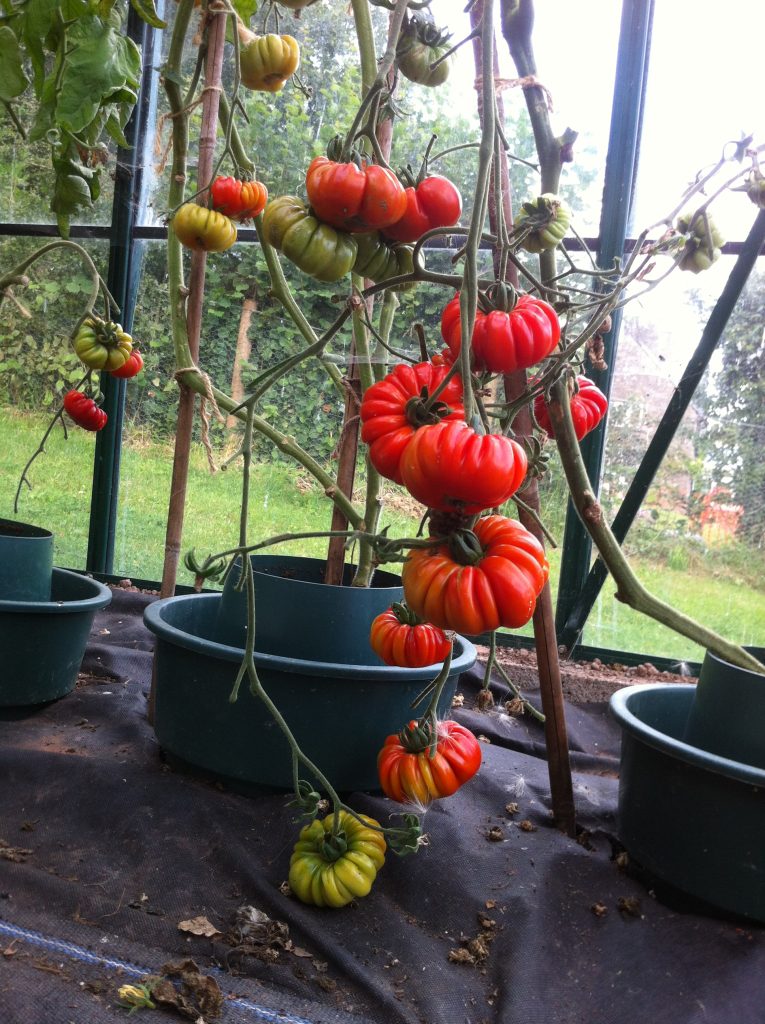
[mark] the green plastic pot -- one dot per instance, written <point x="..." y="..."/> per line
<point x="326" y="623"/>
<point x="26" y="562"/>
<point x="688" y="816"/>
<point x="339" y="712"/>
<point x="43" y="642"/>
<point x="727" y="716"/>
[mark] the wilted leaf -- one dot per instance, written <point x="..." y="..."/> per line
<point x="198" y="926"/>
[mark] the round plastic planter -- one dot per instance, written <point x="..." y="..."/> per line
<point x="43" y="641"/>
<point x="339" y="712"/>
<point x="26" y="562"/>
<point x="690" y="817"/>
<point x="728" y="712"/>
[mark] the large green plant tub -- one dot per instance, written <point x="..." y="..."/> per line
<point x="26" y="562"/>
<point x="340" y="712"/>
<point x="690" y="817"/>
<point x="43" y="642"/>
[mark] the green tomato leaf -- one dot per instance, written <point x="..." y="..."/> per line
<point x="13" y="81"/>
<point x="114" y="131"/>
<point x="101" y="67"/>
<point x="147" y="12"/>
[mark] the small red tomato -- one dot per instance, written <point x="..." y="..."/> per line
<point x="239" y="200"/>
<point x="131" y="368"/>
<point x="411" y="771"/>
<point x="84" y="411"/>
<point x="449" y="467"/>
<point x="434" y="203"/>
<point x="401" y="638"/>
<point x="588" y="407"/>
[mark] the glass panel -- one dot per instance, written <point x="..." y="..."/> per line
<point x="699" y="540"/>
<point x="37" y="366"/>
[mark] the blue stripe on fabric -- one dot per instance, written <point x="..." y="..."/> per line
<point x="76" y="952"/>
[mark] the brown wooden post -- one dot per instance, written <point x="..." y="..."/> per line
<point x="548" y="664"/>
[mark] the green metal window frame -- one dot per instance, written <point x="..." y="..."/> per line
<point x="579" y="583"/>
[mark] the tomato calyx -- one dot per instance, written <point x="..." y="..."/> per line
<point x="419" y="736"/>
<point x="423" y="29"/>
<point x="465" y="547"/>
<point x="404" y="614"/>
<point x="421" y="414"/>
<point x="333" y="846"/>
<point x="501" y="296"/>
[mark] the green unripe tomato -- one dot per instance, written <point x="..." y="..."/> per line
<point x="546" y="220"/>
<point x="318" y="249"/>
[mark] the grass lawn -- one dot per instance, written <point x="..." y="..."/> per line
<point x="283" y="501"/>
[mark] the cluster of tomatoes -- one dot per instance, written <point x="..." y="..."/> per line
<point x="100" y="345"/>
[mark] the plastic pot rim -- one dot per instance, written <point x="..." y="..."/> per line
<point x="619" y="705"/>
<point x="100" y="598"/>
<point x="465" y="653"/>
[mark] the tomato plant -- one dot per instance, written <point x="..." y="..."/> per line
<point x="449" y="467"/>
<point x="266" y="62"/>
<point x="478" y="580"/>
<point x="434" y="203"/>
<point x="352" y="196"/>
<point x="401" y="638"/>
<point x="84" y="411"/>
<point x="505" y="341"/>
<point x="316" y="248"/>
<point x="543" y="223"/>
<point x="196" y="227"/>
<point x="330" y="871"/>
<point x="422" y="763"/>
<point x="131" y="367"/>
<point x="588" y="407"/>
<point x="102" y="344"/>
<point x="239" y="200"/>
<point x="394" y="408"/>
<point x="420" y="45"/>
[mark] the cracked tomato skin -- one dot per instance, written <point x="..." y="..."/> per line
<point x="501" y="589"/>
<point x="588" y="407"/>
<point x="398" y="643"/>
<point x="386" y="428"/>
<point x="434" y="203"/>
<point x="505" y="342"/>
<point x="449" y="467"/>
<point x="323" y="882"/>
<point x="353" y="198"/>
<point x="415" y="777"/>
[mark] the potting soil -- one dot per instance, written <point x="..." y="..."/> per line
<point x="115" y="866"/>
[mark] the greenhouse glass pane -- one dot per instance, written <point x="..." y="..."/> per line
<point x="37" y="367"/>
<point x="699" y="539"/>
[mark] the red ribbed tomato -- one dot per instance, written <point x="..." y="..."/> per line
<point x="434" y="203"/>
<point x="131" y="367"/>
<point x="451" y="468"/>
<point x="588" y="407"/>
<point x="239" y="200"/>
<point x="504" y="342"/>
<point x="496" y="581"/>
<point x="84" y="411"/>
<point x="354" y="198"/>
<point x="392" y="409"/>
<point x="407" y="771"/>
<point x="400" y="638"/>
